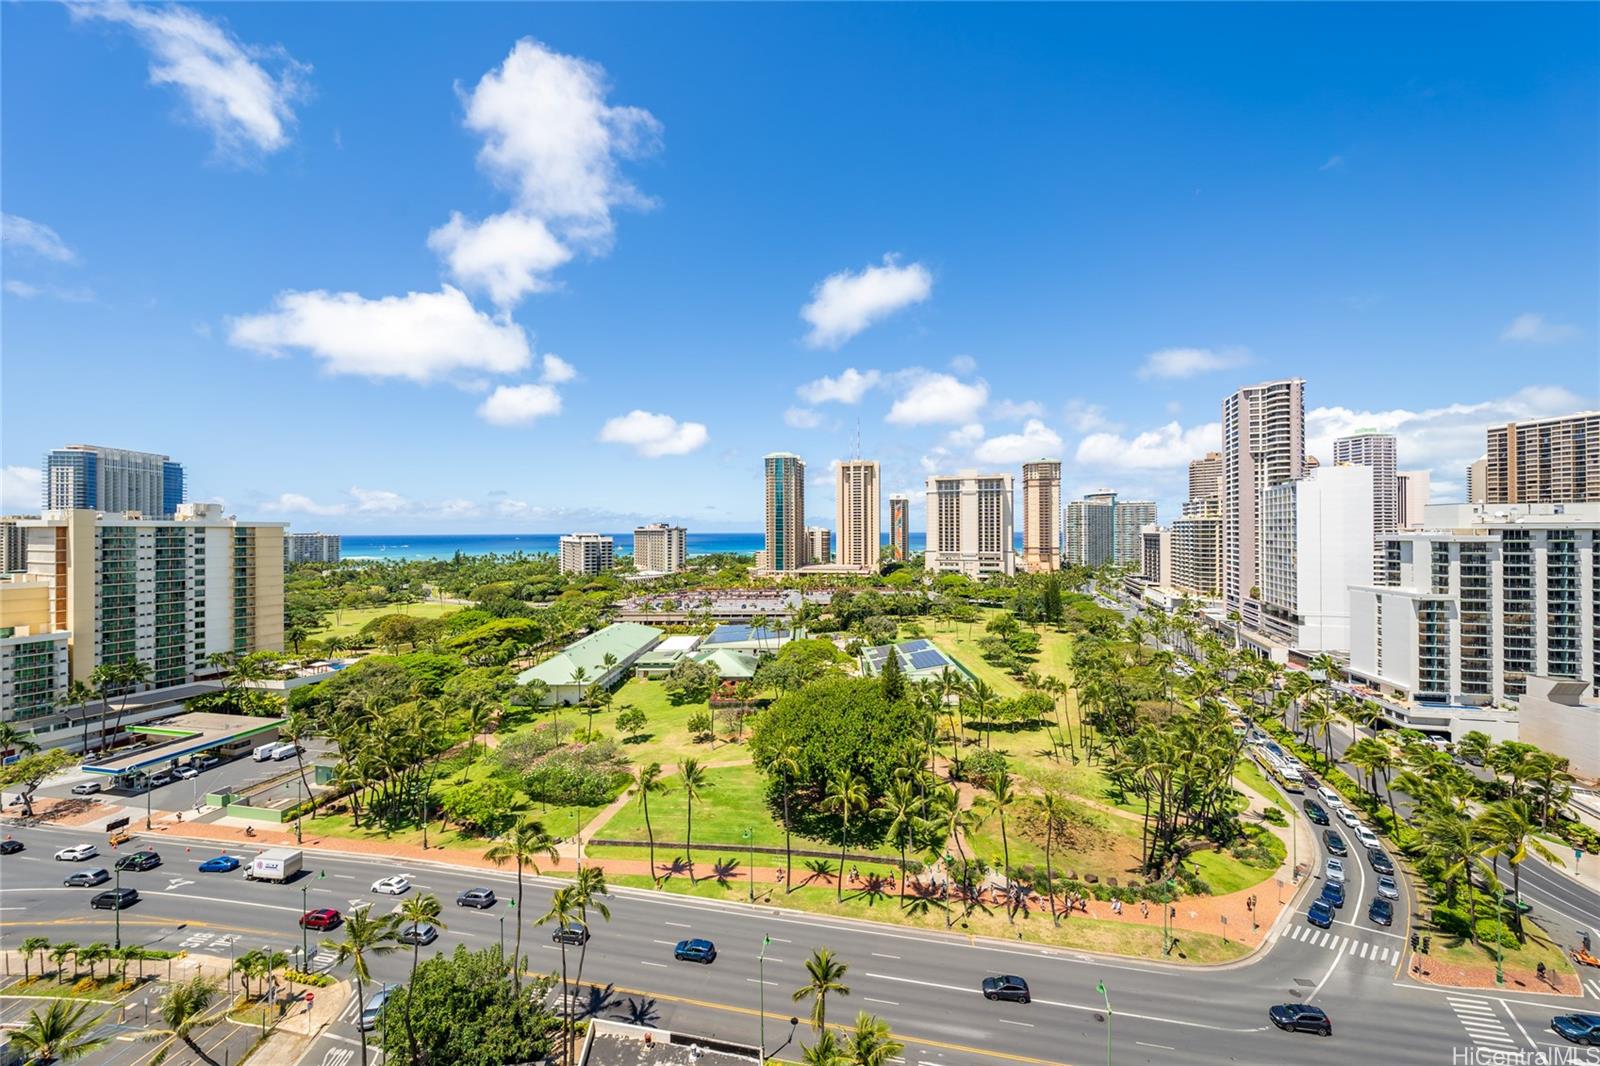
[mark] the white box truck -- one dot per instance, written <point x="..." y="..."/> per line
<point x="279" y="864"/>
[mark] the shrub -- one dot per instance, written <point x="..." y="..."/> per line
<point x="1275" y="816"/>
<point x="315" y="980"/>
<point x="980" y="767"/>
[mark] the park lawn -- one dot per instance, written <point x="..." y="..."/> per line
<point x="1088" y="934"/>
<point x="347" y="621"/>
<point x="1247" y="771"/>
<point x="666" y="737"/>
<point x="1224" y="873"/>
<point x="1536" y="948"/>
<point x="1097" y="842"/>
<point x="48" y="986"/>
<point x="735" y="801"/>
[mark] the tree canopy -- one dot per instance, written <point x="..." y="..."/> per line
<point x="837" y="724"/>
<point x="467" y="1012"/>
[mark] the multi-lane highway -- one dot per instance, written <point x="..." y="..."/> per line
<point x="925" y="985"/>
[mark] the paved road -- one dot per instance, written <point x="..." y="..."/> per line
<point x="924" y="984"/>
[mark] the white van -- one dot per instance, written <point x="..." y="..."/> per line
<point x="263" y="752"/>
<point x="1330" y="797"/>
<point x="284" y="751"/>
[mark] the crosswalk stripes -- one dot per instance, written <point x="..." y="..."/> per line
<point x="1484" y="1027"/>
<point x="1331" y="941"/>
<point x="1594" y="987"/>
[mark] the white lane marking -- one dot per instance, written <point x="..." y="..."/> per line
<point x="1163" y="1047"/>
<point x="345" y="877"/>
<point x="668" y="943"/>
<point x="779" y="940"/>
<point x="1331" y="968"/>
<point x="678" y="925"/>
<point x="1352" y="950"/>
<point x="885" y="1002"/>
<point x="1518" y="1023"/>
<point x="881" y="955"/>
<point x="1008" y="1021"/>
<point x="753" y="981"/>
<point x="1364" y="950"/>
<point x="647" y="962"/>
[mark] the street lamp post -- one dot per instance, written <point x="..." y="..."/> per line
<point x="1100" y="987"/>
<point x="300" y="792"/>
<point x="266" y="949"/>
<point x="304" y="944"/>
<point x="502" y="936"/>
<point x="1499" y="942"/>
<point x="761" y="983"/>
<point x="117" y="911"/>
<point x="750" y="871"/>
<point x="148" y="788"/>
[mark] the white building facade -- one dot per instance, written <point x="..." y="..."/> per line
<point x="659" y="548"/>
<point x="970" y="527"/>
<point x="311" y="547"/>
<point x="1316" y="544"/>
<point x="586" y="553"/>
<point x="858" y="511"/>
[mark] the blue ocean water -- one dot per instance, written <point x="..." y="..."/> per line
<point x="401" y="546"/>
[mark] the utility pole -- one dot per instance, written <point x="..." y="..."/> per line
<point x="761" y="983"/>
<point x="750" y="837"/>
<point x="1100" y="987"/>
<point x="117" y="910"/>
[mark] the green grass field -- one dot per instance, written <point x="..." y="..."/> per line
<point x="666" y="733"/>
<point x="347" y="622"/>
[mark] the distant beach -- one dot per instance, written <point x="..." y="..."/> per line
<point x="401" y="547"/>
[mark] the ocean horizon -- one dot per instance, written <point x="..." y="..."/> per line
<point x="405" y="547"/>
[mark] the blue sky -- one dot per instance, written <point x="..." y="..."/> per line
<point x="498" y="267"/>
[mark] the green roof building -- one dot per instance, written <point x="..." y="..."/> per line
<point x="627" y="641"/>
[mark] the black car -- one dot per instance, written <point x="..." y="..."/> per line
<point x="139" y="860"/>
<point x="1315" y="812"/>
<point x="10" y="847"/>
<point x="1381" y="863"/>
<point x="422" y="933"/>
<point x="571" y="933"/>
<point x="480" y="898"/>
<point x="695" y="951"/>
<point x="1335" y="842"/>
<point x="1332" y="894"/>
<point x="1381" y="911"/>
<point x="1578" y="1028"/>
<point x="1006" y="986"/>
<point x="87" y="878"/>
<point x="115" y="900"/>
<point x="1301" y="1018"/>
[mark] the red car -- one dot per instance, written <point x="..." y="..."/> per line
<point x="321" y="918"/>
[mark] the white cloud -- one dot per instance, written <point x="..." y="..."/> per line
<point x="360" y="501"/>
<point x="1187" y="362"/>
<point x="802" y="418"/>
<point x="938" y="398"/>
<point x="848" y="387"/>
<point x="1334" y="163"/>
<point x="965" y="436"/>
<point x="557" y="371"/>
<point x="654" y="435"/>
<point x="28" y="291"/>
<point x="1533" y="328"/>
<point x="20" y="489"/>
<point x="518" y="405"/>
<point x="1011" y="409"/>
<point x="963" y="364"/>
<point x="421" y="336"/>
<point x="1036" y="441"/>
<point x="1168" y="447"/>
<point x="844" y="304"/>
<point x="225" y="83"/>
<point x="1084" y="417"/>
<point x="553" y="140"/>
<point x="508" y="256"/>
<point x="296" y="503"/>
<point x="19" y="232"/>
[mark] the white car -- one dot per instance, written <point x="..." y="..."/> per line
<point x="86" y="788"/>
<point x="1368" y="838"/>
<point x="186" y="772"/>
<point x="76" y="853"/>
<point x="1336" y="870"/>
<point x="392" y="886"/>
<point x="1349" y="817"/>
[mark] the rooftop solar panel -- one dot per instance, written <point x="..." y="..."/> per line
<point x="915" y="645"/>
<point x="928" y="660"/>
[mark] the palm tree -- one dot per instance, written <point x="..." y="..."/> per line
<point x="415" y="911"/>
<point x="94" y="954"/>
<point x="649" y="781"/>
<point x="526" y="842"/>
<point x="16" y="741"/>
<point x="59" y="1034"/>
<point x="872" y="1044"/>
<point x="296" y="727"/>
<point x="1001" y="798"/>
<point x="59" y="955"/>
<point x="692" y="779"/>
<point x="846" y="795"/>
<point x="826" y="975"/>
<point x="902" y="805"/>
<point x="32" y="946"/>
<point x="580" y="678"/>
<point x="77" y="695"/>
<point x="1054" y="806"/>
<point x="787" y="764"/>
<point x="564" y="911"/>
<point x="587" y="887"/>
<point x="983" y="698"/>
<point x="184" y="1010"/>
<point x="364" y="935"/>
<point x="1509" y="829"/>
<point x="825" y="1052"/>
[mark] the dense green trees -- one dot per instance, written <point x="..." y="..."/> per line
<point x="466" y="1011"/>
<point x="838" y="724"/>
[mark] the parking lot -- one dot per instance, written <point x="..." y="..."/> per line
<point x="234" y="775"/>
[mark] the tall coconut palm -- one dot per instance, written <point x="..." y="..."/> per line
<point x="364" y="936"/>
<point x="30" y="947"/>
<point x="903" y="806"/>
<point x="1509" y="833"/>
<point x="1055" y="809"/>
<point x="589" y="889"/>
<point x="526" y="841"/>
<point x="564" y="911"/>
<point x="59" y="955"/>
<point x="60" y="1034"/>
<point x="846" y="794"/>
<point x="692" y="778"/>
<point x="871" y="1044"/>
<point x="417" y="910"/>
<point x="825" y="977"/>
<point x="186" y="1009"/>
<point x="649" y="782"/>
<point x="77" y="697"/>
<point x="787" y="765"/>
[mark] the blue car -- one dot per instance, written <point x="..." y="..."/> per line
<point x="220" y="865"/>
<point x="695" y="951"/>
<point x="1578" y="1028"/>
<point x="1320" y="915"/>
<point x="1332" y="894"/>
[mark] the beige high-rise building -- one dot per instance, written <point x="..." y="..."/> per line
<point x="900" y="527"/>
<point x="659" y="548"/>
<point x="819" y="546"/>
<point x="1205" y="477"/>
<point x="1376" y="451"/>
<point x="1478" y="480"/>
<point x="1156" y="565"/>
<point x="1412" y="489"/>
<point x="969" y="525"/>
<point x="1550" y="460"/>
<point x="586" y="553"/>
<point x="858" y="509"/>
<point x="1041" y="515"/>
<point x="168" y="592"/>
<point x="785" y="550"/>
<point x="1197" y="548"/>
<point x="1263" y="444"/>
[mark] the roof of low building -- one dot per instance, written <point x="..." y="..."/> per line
<point x="729" y="662"/>
<point x="625" y="640"/>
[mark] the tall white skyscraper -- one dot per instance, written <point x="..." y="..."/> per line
<point x="1376" y="450"/>
<point x="1263" y="444"/>
<point x="969" y="524"/>
<point x="858" y="511"/>
<point x="114" y="480"/>
<point x="586" y="553"/>
<point x="659" y="548"/>
<point x="1041" y="515"/>
<point x="1316" y="543"/>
